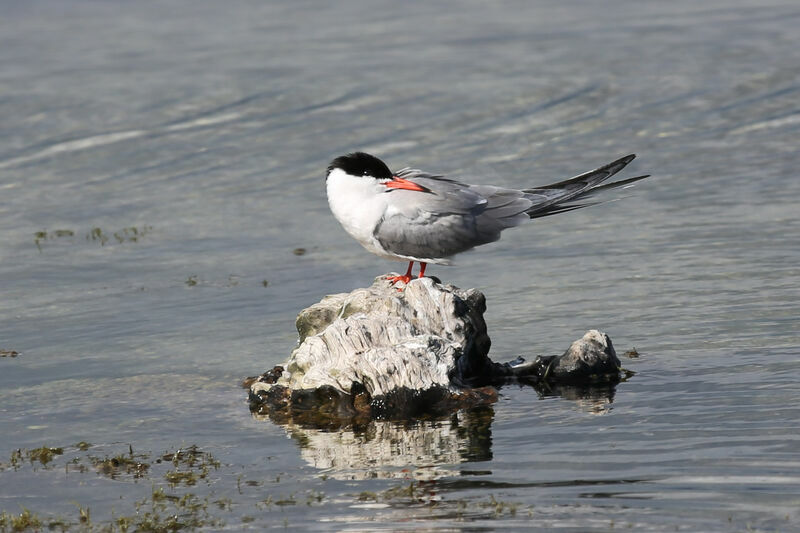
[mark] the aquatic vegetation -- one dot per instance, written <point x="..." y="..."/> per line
<point x="194" y="463"/>
<point x="96" y="234"/>
<point x="129" y="234"/>
<point x="314" y="497"/>
<point x="112" y="467"/>
<point x="166" y="512"/>
<point x="21" y="522"/>
<point x="10" y="353"/>
<point x="159" y="511"/>
<point x="170" y="505"/>
<point x="500" y="506"/>
<point x="367" y="496"/>
<point x="426" y="493"/>
<point x="176" y="477"/>
<point x="414" y="492"/>
<point x="44" y="454"/>
<point x="289" y="500"/>
<point x="84" y="515"/>
<point x="44" y="235"/>
<point x="233" y="280"/>
<point x="191" y="456"/>
<point x="14" y="461"/>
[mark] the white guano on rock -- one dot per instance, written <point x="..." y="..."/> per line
<point x="387" y="339"/>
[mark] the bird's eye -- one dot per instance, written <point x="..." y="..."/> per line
<point x="365" y="173"/>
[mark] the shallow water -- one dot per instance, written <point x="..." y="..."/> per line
<point x="207" y="127"/>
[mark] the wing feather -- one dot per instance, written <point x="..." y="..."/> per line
<point x="552" y="199"/>
<point x="453" y="217"/>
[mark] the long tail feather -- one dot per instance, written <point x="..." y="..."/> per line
<point x="552" y="199"/>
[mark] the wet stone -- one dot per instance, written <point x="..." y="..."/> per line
<point x="388" y="353"/>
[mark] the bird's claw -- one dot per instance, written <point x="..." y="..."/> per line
<point x="394" y="279"/>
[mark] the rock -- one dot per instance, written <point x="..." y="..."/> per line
<point x="590" y="358"/>
<point x="387" y="339"/>
<point x="380" y="351"/>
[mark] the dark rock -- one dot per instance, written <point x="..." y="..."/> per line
<point x="589" y="359"/>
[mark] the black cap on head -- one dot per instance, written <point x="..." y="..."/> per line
<point x="361" y="164"/>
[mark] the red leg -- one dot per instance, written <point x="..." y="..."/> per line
<point x="405" y="278"/>
<point x="422" y="269"/>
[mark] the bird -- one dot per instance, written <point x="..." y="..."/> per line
<point x="411" y="215"/>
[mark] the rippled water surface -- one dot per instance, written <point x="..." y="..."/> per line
<point x="162" y="163"/>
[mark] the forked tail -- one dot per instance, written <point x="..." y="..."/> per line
<point x="559" y="197"/>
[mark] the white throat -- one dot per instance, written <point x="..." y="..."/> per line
<point x="358" y="203"/>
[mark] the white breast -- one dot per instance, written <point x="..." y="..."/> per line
<point x="358" y="203"/>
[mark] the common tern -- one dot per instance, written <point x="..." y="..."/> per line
<point x="414" y="216"/>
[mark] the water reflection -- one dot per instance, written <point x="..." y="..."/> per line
<point x="389" y="449"/>
<point x="415" y="449"/>
<point x="592" y="399"/>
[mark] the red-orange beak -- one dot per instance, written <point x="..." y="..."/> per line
<point x="400" y="183"/>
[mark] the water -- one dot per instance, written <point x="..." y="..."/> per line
<point x="207" y="127"/>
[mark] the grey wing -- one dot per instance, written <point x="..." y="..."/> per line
<point x="450" y="218"/>
<point x="492" y="205"/>
<point x="555" y="198"/>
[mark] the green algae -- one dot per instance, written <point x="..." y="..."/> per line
<point x="163" y="509"/>
<point x="23" y="521"/>
<point x="43" y="455"/>
<point x="99" y="235"/>
<point x="113" y="467"/>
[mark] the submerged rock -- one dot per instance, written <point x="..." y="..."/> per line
<point x="589" y="360"/>
<point x="380" y="351"/>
